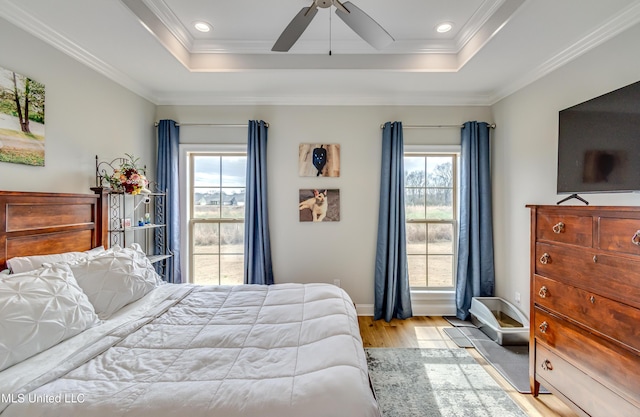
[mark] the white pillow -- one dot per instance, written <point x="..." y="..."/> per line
<point x="39" y="309"/>
<point x="29" y="263"/>
<point x="95" y="251"/>
<point x="115" y="278"/>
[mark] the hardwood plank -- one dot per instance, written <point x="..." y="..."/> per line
<point x="428" y="332"/>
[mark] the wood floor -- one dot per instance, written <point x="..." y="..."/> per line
<point x="426" y="332"/>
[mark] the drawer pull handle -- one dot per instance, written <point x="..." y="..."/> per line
<point x="546" y="365"/>
<point x="543" y="292"/>
<point x="592" y="299"/>
<point x="545" y="258"/>
<point x="543" y="327"/>
<point x="559" y="228"/>
<point x="636" y="238"/>
<point x="595" y="259"/>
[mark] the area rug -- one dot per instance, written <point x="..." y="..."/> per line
<point x="512" y="362"/>
<point x="435" y="382"/>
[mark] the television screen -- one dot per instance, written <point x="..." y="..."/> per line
<point x="599" y="144"/>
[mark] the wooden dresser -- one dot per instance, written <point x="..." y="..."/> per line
<point x="585" y="307"/>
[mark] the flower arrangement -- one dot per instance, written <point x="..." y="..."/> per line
<point x="128" y="177"/>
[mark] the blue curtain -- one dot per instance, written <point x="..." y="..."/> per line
<point x="475" y="276"/>
<point x="167" y="178"/>
<point x="392" y="293"/>
<point x="257" y="244"/>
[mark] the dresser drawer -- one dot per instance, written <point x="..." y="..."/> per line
<point x="576" y="230"/>
<point x="590" y="310"/>
<point x="593" y="398"/>
<point x="602" y="360"/>
<point x="620" y="235"/>
<point x="614" y="277"/>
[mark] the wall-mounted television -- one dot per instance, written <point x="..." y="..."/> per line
<point x="599" y="144"/>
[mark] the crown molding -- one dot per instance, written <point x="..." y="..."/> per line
<point x="426" y="99"/>
<point x="17" y="16"/>
<point x="171" y="22"/>
<point x="479" y="19"/>
<point x="309" y="47"/>
<point x="622" y="21"/>
<point x="495" y="22"/>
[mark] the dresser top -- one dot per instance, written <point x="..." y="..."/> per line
<point x="589" y="210"/>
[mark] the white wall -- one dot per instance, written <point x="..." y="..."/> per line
<point x="525" y="150"/>
<point x="86" y="115"/>
<point x="345" y="250"/>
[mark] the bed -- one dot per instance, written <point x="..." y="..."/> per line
<point x="280" y="350"/>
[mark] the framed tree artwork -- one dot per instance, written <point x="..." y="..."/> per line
<point x="21" y="119"/>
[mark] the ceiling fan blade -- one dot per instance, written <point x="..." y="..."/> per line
<point x="295" y="29"/>
<point x="367" y="28"/>
<point x="338" y="5"/>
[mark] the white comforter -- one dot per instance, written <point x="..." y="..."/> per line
<point x="281" y="350"/>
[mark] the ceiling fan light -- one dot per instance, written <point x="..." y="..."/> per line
<point x="444" y="27"/>
<point x="203" y="27"/>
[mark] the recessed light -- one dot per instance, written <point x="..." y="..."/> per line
<point x="444" y="27"/>
<point x="202" y="26"/>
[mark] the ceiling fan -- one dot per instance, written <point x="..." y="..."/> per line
<point x="360" y="22"/>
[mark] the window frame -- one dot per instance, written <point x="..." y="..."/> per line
<point x="187" y="155"/>
<point x="438" y="151"/>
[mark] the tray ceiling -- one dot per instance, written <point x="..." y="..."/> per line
<point x="151" y="47"/>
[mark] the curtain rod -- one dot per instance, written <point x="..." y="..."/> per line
<point x="492" y="126"/>
<point x="212" y="124"/>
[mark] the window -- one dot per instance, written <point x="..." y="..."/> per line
<point x="431" y="219"/>
<point x="216" y="221"/>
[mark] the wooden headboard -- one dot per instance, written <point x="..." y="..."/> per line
<point x="44" y="223"/>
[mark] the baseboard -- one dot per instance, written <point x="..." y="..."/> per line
<point x="432" y="303"/>
<point x="364" y="309"/>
